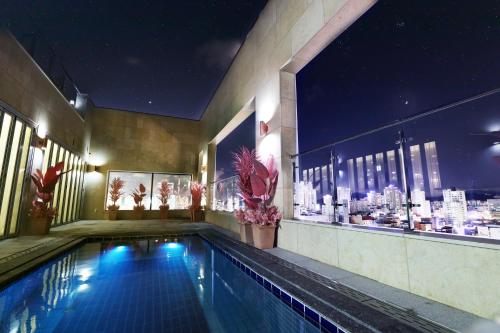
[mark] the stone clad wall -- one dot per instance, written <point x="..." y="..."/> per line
<point x="28" y="91"/>
<point x="458" y="273"/>
<point x="123" y="140"/>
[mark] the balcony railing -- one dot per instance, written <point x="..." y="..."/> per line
<point x="225" y="195"/>
<point x="436" y="171"/>
<point x="44" y="55"/>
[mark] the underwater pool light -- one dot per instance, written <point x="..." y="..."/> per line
<point x="173" y="245"/>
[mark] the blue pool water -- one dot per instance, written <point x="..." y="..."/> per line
<point x="144" y="286"/>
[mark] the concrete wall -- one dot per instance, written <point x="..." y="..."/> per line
<point x="286" y="36"/>
<point x="27" y="90"/>
<point x="458" y="273"/>
<point x="123" y="140"/>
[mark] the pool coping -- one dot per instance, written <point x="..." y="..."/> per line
<point x="325" y="303"/>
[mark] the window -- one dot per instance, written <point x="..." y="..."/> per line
<point x="67" y="193"/>
<point x="15" y="138"/>
<point x="224" y="189"/>
<point x="403" y="152"/>
<point x="180" y="194"/>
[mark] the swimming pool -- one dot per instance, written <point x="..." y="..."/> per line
<point x="149" y="285"/>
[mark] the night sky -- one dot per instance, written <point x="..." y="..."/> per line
<point x="162" y="57"/>
<point x="241" y="136"/>
<point x="399" y="59"/>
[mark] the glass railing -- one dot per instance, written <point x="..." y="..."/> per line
<point x="436" y="171"/>
<point x="44" y="55"/>
<point x="225" y="195"/>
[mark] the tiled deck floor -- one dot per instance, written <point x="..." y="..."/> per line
<point x="439" y="313"/>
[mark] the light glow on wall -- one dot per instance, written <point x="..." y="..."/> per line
<point x="42" y="129"/>
<point x="97" y="159"/>
<point x="269" y="145"/>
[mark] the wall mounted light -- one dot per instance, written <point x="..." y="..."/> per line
<point x="264" y="128"/>
<point x="92" y="168"/>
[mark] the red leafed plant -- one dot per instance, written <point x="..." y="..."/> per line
<point x="115" y="192"/>
<point x="257" y="183"/>
<point x="164" y="193"/>
<point x="139" y="194"/>
<point x="45" y="185"/>
<point x="243" y="163"/>
<point x="196" y="194"/>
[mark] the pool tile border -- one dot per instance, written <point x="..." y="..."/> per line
<point x="305" y="311"/>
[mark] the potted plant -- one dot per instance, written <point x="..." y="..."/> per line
<point x="40" y="212"/>
<point x="258" y="185"/>
<point x="138" y="196"/>
<point x="195" y="208"/>
<point x="243" y="165"/>
<point x="164" y="194"/>
<point x="115" y="193"/>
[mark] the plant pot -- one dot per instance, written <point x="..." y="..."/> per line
<point x="164" y="212"/>
<point x="112" y="214"/>
<point x="138" y="213"/>
<point x="246" y="233"/>
<point x="263" y="236"/>
<point x="196" y="215"/>
<point x="39" y="226"/>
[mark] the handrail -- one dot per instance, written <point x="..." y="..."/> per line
<point x="401" y="121"/>
<point x="222" y="180"/>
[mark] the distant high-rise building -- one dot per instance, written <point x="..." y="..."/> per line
<point x="422" y="207"/>
<point x="455" y="208"/>
<point x="324" y="180"/>
<point x="374" y="199"/>
<point x="350" y="175"/>
<point x="393" y="198"/>
<point x="431" y="158"/>
<point x="494" y="207"/>
<point x="416" y="166"/>
<point x="391" y="167"/>
<point x="361" y="174"/>
<point x="370" y="172"/>
<point x="317" y="181"/>
<point x="344" y="198"/>
<point x="380" y="170"/>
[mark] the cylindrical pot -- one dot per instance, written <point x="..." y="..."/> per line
<point x="263" y="236"/>
<point x="246" y="233"/>
<point x="112" y="214"/>
<point x="138" y="213"/>
<point x="39" y="226"/>
<point x="164" y="212"/>
<point x="196" y="215"/>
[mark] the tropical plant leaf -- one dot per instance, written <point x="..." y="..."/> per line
<point x="258" y="185"/>
<point x="260" y="170"/>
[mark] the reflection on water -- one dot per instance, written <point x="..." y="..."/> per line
<point x="146" y="285"/>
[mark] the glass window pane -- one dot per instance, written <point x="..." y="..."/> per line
<point x="78" y="174"/>
<point x="70" y="188"/>
<point x="46" y="156"/>
<point x="4" y="136"/>
<point x="80" y="191"/>
<point x="62" y="195"/>
<point x="20" y="179"/>
<point x="180" y="195"/>
<point x="54" y="158"/>
<point x="10" y="175"/>
<point x="132" y="181"/>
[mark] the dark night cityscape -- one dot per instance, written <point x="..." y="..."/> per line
<point x="250" y="166"/>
